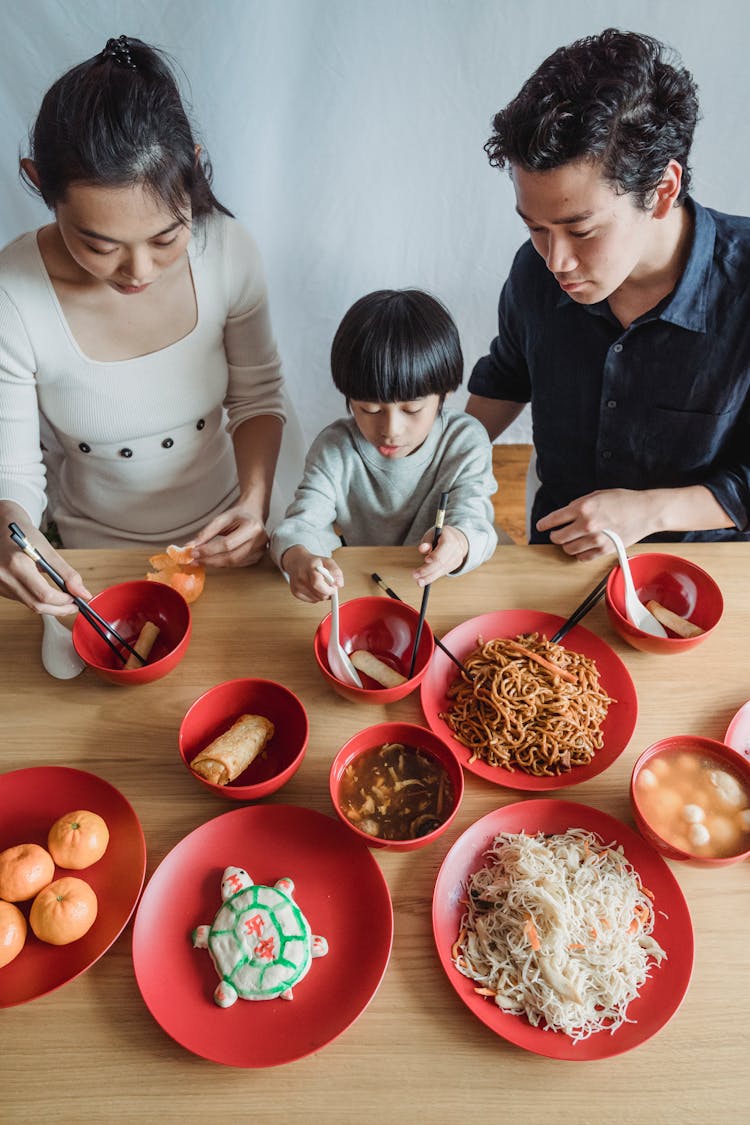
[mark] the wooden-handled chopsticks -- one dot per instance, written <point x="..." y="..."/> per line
<point x="439" y="520"/>
<point x="392" y="594"/>
<point x="581" y="610"/>
<point x="100" y="624"/>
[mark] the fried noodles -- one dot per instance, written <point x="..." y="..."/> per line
<point x="517" y="712"/>
<point x="558" y="928"/>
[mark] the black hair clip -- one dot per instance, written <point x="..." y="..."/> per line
<point x="119" y="51"/>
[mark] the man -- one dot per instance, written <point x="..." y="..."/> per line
<point x="625" y="320"/>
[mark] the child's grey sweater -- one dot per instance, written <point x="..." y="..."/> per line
<point x="375" y="501"/>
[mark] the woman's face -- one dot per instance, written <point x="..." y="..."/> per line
<point x="122" y="236"/>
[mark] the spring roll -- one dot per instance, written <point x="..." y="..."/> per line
<point x="227" y="756"/>
<point x="143" y="645"/>
<point x="368" y="663"/>
<point x="679" y="625"/>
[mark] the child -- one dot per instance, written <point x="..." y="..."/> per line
<point x="378" y="475"/>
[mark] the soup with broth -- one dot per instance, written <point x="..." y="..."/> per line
<point x="395" y="792"/>
<point x="695" y="803"/>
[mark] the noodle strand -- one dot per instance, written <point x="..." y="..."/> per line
<point x="518" y="713"/>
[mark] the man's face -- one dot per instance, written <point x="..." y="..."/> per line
<point x="592" y="239"/>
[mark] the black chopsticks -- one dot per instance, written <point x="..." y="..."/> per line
<point x="581" y="610"/>
<point x="99" y="624"/>
<point x="439" y="520"/>
<point x="392" y="594"/>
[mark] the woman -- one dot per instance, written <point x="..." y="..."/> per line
<point x="141" y="397"/>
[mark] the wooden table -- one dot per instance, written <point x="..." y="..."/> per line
<point x="91" y="1050"/>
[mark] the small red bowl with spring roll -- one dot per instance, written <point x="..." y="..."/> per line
<point x="382" y="628"/>
<point x="129" y="607"/>
<point x="244" y="739"/>
<point x="686" y="596"/>
<point x="396" y="785"/>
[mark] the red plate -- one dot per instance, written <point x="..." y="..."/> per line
<point x="738" y="732"/>
<point x="338" y="886"/>
<point x="31" y="800"/>
<point x="613" y="677"/>
<point x="660" y="996"/>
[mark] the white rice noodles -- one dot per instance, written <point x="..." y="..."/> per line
<point x="558" y="928"/>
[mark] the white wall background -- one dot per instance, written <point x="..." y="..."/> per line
<point x="347" y="135"/>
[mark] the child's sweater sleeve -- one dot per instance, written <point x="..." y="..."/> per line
<point x="312" y="513"/>
<point x="469" y="505"/>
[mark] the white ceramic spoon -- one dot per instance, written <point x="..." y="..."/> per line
<point x="59" y="657"/>
<point x="639" y="616"/>
<point x="338" y="660"/>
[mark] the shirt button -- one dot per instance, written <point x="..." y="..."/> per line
<point x="200" y="423"/>
<point x="612" y="403"/>
<point x="617" y="348"/>
<point x="126" y="452"/>
<point x="606" y="454"/>
<point x="167" y="443"/>
<point x="84" y="448"/>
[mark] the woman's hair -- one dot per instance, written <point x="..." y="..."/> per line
<point x="118" y="119"/>
<point x="619" y="98"/>
<point x="396" y="345"/>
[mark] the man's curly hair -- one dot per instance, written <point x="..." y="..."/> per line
<point x="621" y="99"/>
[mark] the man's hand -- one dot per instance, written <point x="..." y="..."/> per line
<point x="633" y="514"/>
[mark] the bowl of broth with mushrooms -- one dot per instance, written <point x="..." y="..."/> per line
<point x="691" y="800"/>
<point x="396" y="785"/>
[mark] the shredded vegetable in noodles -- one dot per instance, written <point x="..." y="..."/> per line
<point x="558" y="928"/>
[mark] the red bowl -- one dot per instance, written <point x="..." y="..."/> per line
<point x="386" y="628"/>
<point x="412" y="735"/>
<point x="217" y="709"/>
<point x="675" y="583"/>
<point x="128" y="606"/>
<point x="699" y="747"/>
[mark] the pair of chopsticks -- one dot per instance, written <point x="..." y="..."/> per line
<point x="99" y="624"/>
<point x="392" y="594"/>
<point x="439" y="521"/>
<point x="581" y="610"/>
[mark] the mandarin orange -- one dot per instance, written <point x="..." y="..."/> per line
<point x="12" y="932"/>
<point x="24" y="870"/>
<point x="183" y="556"/>
<point x="78" y="839"/>
<point x="64" y="911"/>
<point x="187" y="580"/>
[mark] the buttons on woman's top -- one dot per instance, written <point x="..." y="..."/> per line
<point x="617" y="348"/>
<point x="200" y="423"/>
<point x="83" y="447"/>
<point x="612" y="403"/>
<point x="126" y="452"/>
<point x="167" y="443"/>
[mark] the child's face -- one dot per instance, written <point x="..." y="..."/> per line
<point x="396" y="429"/>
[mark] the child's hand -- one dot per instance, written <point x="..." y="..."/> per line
<point x="452" y="549"/>
<point x="305" y="580"/>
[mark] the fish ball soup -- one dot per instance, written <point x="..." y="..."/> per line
<point x="395" y="792"/>
<point x="696" y="803"/>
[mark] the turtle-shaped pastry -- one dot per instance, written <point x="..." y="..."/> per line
<point x="260" y="941"/>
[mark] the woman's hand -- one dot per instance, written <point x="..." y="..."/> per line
<point x="305" y="580"/>
<point x="21" y="581"/>
<point x="451" y="550"/>
<point x="237" y="537"/>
